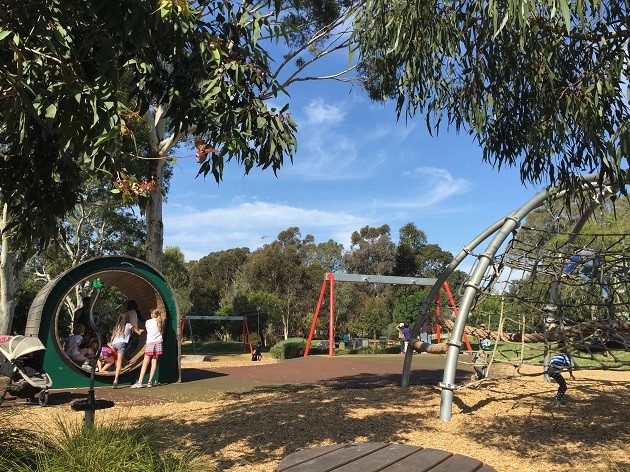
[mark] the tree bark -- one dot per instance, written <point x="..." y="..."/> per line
<point x="162" y="146"/>
<point x="11" y="270"/>
<point x="155" y="224"/>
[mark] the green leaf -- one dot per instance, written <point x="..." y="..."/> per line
<point x="566" y="13"/>
<point x="51" y="112"/>
<point x="502" y="25"/>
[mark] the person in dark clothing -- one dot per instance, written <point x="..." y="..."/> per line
<point x="257" y="355"/>
<point x="82" y="316"/>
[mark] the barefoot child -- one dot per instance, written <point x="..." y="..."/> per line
<point x="153" y="348"/>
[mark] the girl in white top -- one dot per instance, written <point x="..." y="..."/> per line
<point x="120" y="338"/>
<point x="153" y="347"/>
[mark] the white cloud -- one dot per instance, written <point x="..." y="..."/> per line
<point x="331" y="148"/>
<point x="436" y="186"/>
<point x="251" y="224"/>
<point x="248" y="222"/>
<point x="319" y="113"/>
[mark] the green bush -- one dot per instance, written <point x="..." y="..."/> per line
<point x="376" y="349"/>
<point x="108" y="447"/>
<point x="288" y="348"/>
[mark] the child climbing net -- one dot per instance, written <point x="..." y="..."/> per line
<point x="552" y="285"/>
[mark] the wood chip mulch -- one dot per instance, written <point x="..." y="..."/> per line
<point x="242" y="416"/>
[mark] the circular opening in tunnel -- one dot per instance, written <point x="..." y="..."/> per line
<point x="109" y="301"/>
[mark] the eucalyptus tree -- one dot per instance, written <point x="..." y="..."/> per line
<point x="263" y="311"/>
<point x="176" y="272"/>
<point x="64" y="65"/>
<point x="328" y="255"/>
<point x="98" y="225"/>
<point x="369" y="321"/>
<point x="411" y="241"/>
<point x="213" y="277"/>
<point x="280" y="268"/>
<point x="302" y="33"/>
<point x="372" y="251"/>
<point x="539" y="84"/>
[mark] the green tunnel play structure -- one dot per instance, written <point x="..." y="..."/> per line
<point x="136" y="280"/>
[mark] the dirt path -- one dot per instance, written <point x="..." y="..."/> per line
<point x="244" y="416"/>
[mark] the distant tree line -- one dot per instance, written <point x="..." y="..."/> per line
<point x="278" y="285"/>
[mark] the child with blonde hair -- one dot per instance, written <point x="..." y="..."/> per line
<point x="73" y="346"/>
<point x="119" y="341"/>
<point x="153" y="347"/>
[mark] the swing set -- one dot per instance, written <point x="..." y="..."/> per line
<point x="329" y="281"/>
<point x="246" y="337"/>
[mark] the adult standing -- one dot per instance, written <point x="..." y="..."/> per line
<point x="426" y="331"/>
<point x="401" y="337"/>
<point x="406" y="336"/>
<point x="82" y="314"/>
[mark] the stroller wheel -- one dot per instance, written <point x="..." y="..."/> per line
<point x="43" y="398"/>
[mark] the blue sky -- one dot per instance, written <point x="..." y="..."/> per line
<point x="355" y="166"/>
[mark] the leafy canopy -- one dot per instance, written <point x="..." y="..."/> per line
<point x="65" y="64"/>
<point x="538" y="83"/>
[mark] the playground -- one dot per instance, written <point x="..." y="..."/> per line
<point x="244" y="416"/>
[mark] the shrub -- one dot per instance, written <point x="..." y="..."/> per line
<point x="376" y="349"/>
<point x="288" y="348"/>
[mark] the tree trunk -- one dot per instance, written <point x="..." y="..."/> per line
<point x="285" y="320"/>
<point x="11" y="270"/>
<point x="155" y="225"/>
<point x="161" y="145"/>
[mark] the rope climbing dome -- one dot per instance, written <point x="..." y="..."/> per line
<point x="559" y="273"/>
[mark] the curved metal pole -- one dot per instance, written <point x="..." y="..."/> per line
<point x="511" y="222"/>
<point x="506" y="225"/>
<point x="472" y="288"/>
<point x="435" y="289"/>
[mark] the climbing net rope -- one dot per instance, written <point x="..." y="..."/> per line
<point x="550" y="284"/>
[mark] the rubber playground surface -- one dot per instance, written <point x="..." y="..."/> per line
<point x="208" y="380"/>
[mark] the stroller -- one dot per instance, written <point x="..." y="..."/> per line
<point x="21" y="360"/>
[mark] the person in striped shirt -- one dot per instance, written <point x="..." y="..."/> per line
<point x="559" y="362"/>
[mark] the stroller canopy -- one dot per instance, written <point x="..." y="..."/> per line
<point x="19" y="346"/>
